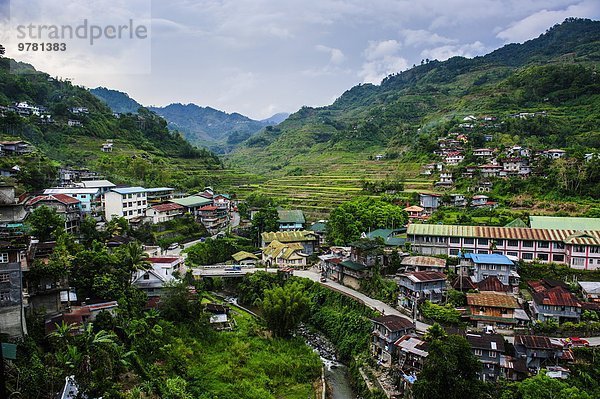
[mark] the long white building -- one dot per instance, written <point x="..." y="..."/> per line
<point x="578" y="249"/>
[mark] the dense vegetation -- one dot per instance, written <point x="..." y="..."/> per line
<point x="410" y="110"/>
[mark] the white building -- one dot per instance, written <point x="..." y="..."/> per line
<point x="89" y="197"/>
<point x="128" y="202"/>
<point x="152" y="281"/>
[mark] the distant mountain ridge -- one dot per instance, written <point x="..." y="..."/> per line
<point x="409" y="110"/>
<point x="219" y="131"/>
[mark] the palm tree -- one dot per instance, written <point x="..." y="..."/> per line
<point x="435" y="332"/>
<point x="134" y="259"/>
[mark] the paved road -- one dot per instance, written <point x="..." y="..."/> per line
<point x="221" y="272"/>
<point x="370" y="302"/>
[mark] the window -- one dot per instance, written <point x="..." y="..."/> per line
<point x="579" y="248"/>
<point x="558" y="245"/>
<point x="454" y="240"/>
<point x="482" y="241"/>
<point x="4" y="296"/>
<point x="512" y="254"/>
<point x="492" y="354"/>
<point x="454" y="252"/>
<point x="4" y="257"/>
<point x="482" y="251"/>
<point x="146" y="276"/>
<point x="543" y="257"/>
<point x="130" y="213"/>
<point x="527" y="256"/>
<point x="578" y="261"/>
<point x="499" y="243"/>
<point x="558" y="258"/>
<point x="124" y="213"/>
<point x="492" y="267"/>
<point x="4" y="277"/>
<point x="477" y="352"/>
<point x="543" y="244"/>
<point x="528" y="244"/>
<point x="595" y="250"/>
<point x="469" y="241"/>
<point x="513" y="243"/>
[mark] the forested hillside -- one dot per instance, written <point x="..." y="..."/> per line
<point x="556" y="73"/>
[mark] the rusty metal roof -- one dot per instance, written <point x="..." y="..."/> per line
<point x="492" y="300"/>
<point x="508" y="233"/>
<point x="557" y="296"/>
<point x="394" y="323"/>
<point x="427" y="261"/>
<point x="536" y="342"/>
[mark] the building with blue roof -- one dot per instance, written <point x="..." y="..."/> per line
<point x="482" y="266"/>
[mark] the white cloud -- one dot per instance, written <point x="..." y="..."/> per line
<point x="442" y="53"/>
<point x="377" y="50"/>
<point x="418" y="37"/>
<point x="382" y="59"/>
<point x="336" y="56"/>
<point x="537" y="23"/>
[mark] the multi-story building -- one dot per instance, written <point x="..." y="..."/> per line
<point x="386" y="331"/>
<point x="127" y="202"/>
<point x="488" y="348"/>
<point x="540" y="351"/>
<point x="291" y="219"/>
<point x="492" y="308"/>
<point x="307" y="239"/>
<point x="159" y="194"/>
<point x="213" y="217"/>
<point x="578" y="249"/>
<point x="417" y="287"/>
<point x="284" y="255"/>
<point x="12" y="317"/>
<point x="66" y="206"/>
<point x="153" y="280"/>
<point x="483" y="266"/>
<point x="164" y="212"/>
<point x="430" y="202"/>
<point x="553" y="301"/>
<point x="89" y="197"/>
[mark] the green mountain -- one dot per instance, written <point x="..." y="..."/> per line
<point x="209" y="127"/>
<point x="69" y="127"/>
<point x="404" y="115"/>
<point x="117" y="100"/>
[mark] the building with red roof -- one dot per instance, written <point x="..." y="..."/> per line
<point x="66" y="206"/>
<point x="552" y="301"/>
<point x="165" y="212"/>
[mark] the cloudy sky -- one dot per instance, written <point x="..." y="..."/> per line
<point x="259" y="57"/>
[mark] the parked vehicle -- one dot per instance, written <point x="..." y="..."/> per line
<point x="173" y="246"/>
<point x="575" y="342"/>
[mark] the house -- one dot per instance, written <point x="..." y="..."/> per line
<point x="15" y="147"/>
<point x="540" y="351"/>
<point x="417" y="287"/>
<point x="579" y="249"/>
<point x="244" y="258"/>
<point x="89" y="197"/>
<point x="220" y="318"/>
<point x="291" y="219"/>
<point x="454" y="158"/>
<point x="307" y="239"/>
<point x="351" y="273"/>
<point x="483" y="152"/>
<point x="158" y="195"/>
<point x="481" y="201"/>
<point x="445" y="179"/>
<point x="213" y="217"/>
<point x="76" y="123"/>
<point x="284" y="255"/>
<point x="555" y="153"/>
<point x="553" y="301"/>
<point x="590" y="290"/>
<point x="488" y="348"/>
<point x="490" y="170"/>
<point x="160" y="272"/>
<point x="320" y="229"/>
<point x="386" y="331"/>
<point x="390" y="237"/>
<point x="430" y="202"/>
<point x="412" y="353"/>
<point x="423" y="263"/>
<point x="416" y="213"/>
<point x="491" y="308"/>
<point x="192" y="203"/>
<point x="79" y="316"/>
<point x="164" y="212"/>
<point x="223" y="201"/>
<point x="127" y="202"/>
<point x="516" y="167"/>
<point x="79" y="110"/>
<point x="12" y="317"/>
<point x="458" y="200"/>
<point x="106" y="147"/>
<point x="513" y="368"/>
<point x="486" y="265"/>
<point x="66" y="206"/>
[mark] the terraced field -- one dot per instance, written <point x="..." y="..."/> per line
<point x="318" y="193"/>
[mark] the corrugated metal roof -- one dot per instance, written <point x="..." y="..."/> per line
<point x="494" y="300"/>
<point x="489" y="259"/>
<point x="516" y="233"/>
<point x="291" y="216"/>
<point x="427" y="261"/>
<point x="289" y="236"/>
<point x="129" y="190"/>
<point x="192" y="201"/>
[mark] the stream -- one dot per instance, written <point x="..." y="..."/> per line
<point x="336" y="373"/>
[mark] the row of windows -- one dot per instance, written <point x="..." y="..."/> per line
<point x="132" y="204"/>
<point x="524" y="255"/>
<point x="130" y="213"/>
<point x="479" y="352"/>
<point x="139" y="195"/>
<point x="509" y="243"/>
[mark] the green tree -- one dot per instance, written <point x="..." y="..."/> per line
<point x="543" y="387"/>
<point x="450" y="371"/>
<point x="46" y="223"/>
<point x="284" y="308"/>
<point x="134" y="259"/>
<point x="266" y="219"/>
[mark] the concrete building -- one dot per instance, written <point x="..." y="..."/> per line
<point x="90" y="198"/>
<point x="386" y="331"/>
<point x="417" y="287"/>
<point x="164" y="212"/>
<point x="127" y="202"/>
<point x="66" y="206"/>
